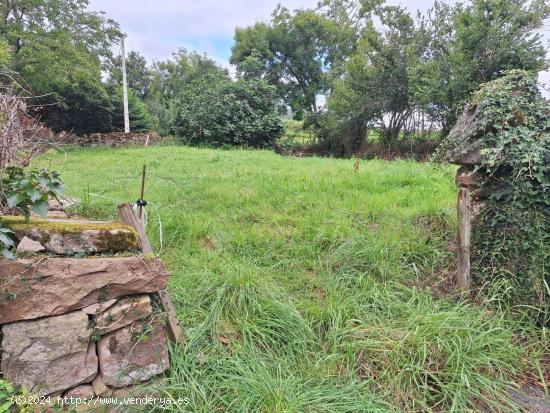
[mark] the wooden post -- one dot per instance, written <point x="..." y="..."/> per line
<point x="142" y="192"/>
<point x="463" y="277"/>
<point x="173" y="327"/>
<point x="128" y="217"/>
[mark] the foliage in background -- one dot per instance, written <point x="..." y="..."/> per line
<point x="215" y="110"/>
<point x="138" y="74"/>
<point x="511" y="234"/>
<point x="78" y="103"/>
<point x="57" y="48"/>
<point x="170" y="78"/>
<point x="296" y="52"/>
<point x="472" y="43"/>
<point x="375" y="92"/>
<point x="426" y="67"/>
<point x="137" y="111"/>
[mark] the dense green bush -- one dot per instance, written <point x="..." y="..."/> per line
<point x="216" y="111"/>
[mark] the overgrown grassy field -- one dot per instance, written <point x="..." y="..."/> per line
<point x="302" y="284"/>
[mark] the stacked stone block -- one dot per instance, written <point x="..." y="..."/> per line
<point x="80" y="313"/>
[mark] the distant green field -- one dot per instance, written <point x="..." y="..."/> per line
<point x="298" y="281"/>
<point x="295" y="134"/>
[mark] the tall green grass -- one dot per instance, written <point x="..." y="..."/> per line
<point x="301" y="283"/>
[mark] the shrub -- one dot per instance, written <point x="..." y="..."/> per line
<point x="21" y="137"/>
<point x="216" y="111"/>
<point x="29" y="190"/>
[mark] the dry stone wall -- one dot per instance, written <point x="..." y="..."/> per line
<point x="80" y="310"/>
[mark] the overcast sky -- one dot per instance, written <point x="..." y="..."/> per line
<point x="157" y="28"/>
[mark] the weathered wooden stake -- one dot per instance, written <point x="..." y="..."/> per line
<point x="128" y="217"/>
<point x="463" y="277"/>
<point x="173" y="327"/>
<point x="142" y="192"/>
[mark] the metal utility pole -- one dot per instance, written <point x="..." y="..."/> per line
<point x="124" y="88"/>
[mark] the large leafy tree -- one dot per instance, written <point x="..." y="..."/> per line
<point x="474" y="43"/>
<point x="375" y="92"/>
<point x="57" y="48"/>
<point x="138" y="74"/>
<point x="297" y="52"/>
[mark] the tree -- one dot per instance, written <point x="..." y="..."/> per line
<point x="472" y="44"/>
<point x="217" y="111"/>
<point x="375" y="91"/>
<point x="4" y="54"/>
<point x="82" y="104"/>
<point x="138" y="74"/>
<point x="138" y="114"/>
<point x="297" y="51"/>
<point x="57" y="48"/>
<point x="170" y="78"/>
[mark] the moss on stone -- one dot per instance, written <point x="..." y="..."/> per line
<point x="113" y="236"/>
<point x="118" y="240"/>
<point x="62" y="226"/>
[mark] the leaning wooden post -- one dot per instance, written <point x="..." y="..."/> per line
<point x="128" y="217"/>
<point x="463" y="277"/>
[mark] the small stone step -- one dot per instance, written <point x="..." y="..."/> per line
<point x="71" y="236"/>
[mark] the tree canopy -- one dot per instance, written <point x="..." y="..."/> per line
<point x="57" y="49"/>
<point x="296" y="52"/>
<point x="379" y="68"/>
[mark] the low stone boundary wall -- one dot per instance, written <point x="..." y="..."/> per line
<point x="113" y="139"/>
<point x="76" y="319"/>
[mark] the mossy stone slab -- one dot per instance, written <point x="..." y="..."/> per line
<point x="70" y="237"/>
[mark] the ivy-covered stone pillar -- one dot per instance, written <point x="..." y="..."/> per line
<point x="502" y="143"/>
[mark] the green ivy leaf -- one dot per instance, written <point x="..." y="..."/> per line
<point x="6" y="240"/>
<point x="41" y="208"/>
<point x="13" y="200"/>
<point x="8" y="254"/>
<point x="34" y="194"/>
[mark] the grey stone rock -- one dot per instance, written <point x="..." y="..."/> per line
<point x="124" y="312"/>
<point x="29" y="246"/>
<point x="50" y="354"/>
<point x="128" y="356"/>
<point x="71" y="236"/>
<point x="99" y="387"/>
<point x="83" y="391"/>
<point x="98" y="307"/>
